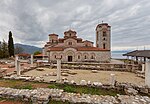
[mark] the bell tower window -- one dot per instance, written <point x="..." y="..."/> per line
<point x="104" y="46"/>
<point x="104" y="34"/>
<point x="69" y="43"/>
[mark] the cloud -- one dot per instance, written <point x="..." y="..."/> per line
<point x="32" y="20"/>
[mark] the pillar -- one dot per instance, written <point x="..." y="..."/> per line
<point x="143" y="68"/>
<point x="31" y="59"/>
<point x="147" y="74"/>
<point x="112" y="79"/>
<point x="43" y="54"/>
<point x="16" y="62"/>
<point x="18" y="68"/>
<point x="58" y="69"/>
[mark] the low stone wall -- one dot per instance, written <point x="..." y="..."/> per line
<point x="100" y="66"/>
<point x="43" y="96"/>
<point x="127" y="88"/>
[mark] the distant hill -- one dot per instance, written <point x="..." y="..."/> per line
<point x="28" y="48"/>
<point x="121" y="51"/>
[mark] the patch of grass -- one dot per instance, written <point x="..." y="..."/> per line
<point x="19" y="84"/>
<point x="13" y="101"/>
<point x="70" y="89"/>
<point x="84" y="89"/>
<point x="29" y="86"/>
<point x="52" y="86"/>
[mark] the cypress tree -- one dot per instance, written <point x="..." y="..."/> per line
<point x="10" y="45"/>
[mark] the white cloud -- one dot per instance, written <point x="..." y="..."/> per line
<point x="32" y="20"/>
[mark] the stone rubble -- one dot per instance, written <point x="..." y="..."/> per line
<point x="43" y="96"/>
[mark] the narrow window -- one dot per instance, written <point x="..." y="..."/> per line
<point x="69" y="43"/>
<point x="92" y="57"/>
<point x="104" y="46"/>
<point x="78" y="56"/>
<point x="85" y="57"/>
<point x="104" y="34"/>
<point x="55" y="56"/>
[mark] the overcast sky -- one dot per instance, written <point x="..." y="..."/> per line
<point x="32" y="20"/>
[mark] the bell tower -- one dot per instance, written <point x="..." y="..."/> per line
<point x="103" y="34"/>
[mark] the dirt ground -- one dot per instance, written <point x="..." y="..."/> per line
<point x="101" y="76"/>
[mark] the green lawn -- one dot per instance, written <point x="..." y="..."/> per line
<point x="19" y="84"/>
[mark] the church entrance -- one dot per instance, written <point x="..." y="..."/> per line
<point x="69" y="58"/>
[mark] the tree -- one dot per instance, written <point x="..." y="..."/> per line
<point x="37" y="52"/>
<point x="10" y="45"/>
<point x="0" y="49"/>
<point x="18" y="50"/>
<point x="4" y="50"/>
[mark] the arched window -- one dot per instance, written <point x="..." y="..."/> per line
<point x="55" y="56"/>
<point x="104" y="38"/>
<point x="92" y="57"/>
<point x="69" y="43"/>
<point x="104" y="46"/>
<point x="52" y="41"/>
<point x="104" y="34"/>
<point x="85" y="57"/>
<point x="78" y="56"/>
<point x="70" y="34"/>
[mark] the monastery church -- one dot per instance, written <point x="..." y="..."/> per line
<point x="71" y="48"/>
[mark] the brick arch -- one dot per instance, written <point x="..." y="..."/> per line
<point x="85" y="56"/>
<point x="70" y="52"/>
<point x="92" y="56"/>
<point x="79" y="56"/>
<point x="55" y="55"/>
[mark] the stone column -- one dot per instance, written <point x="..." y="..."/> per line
<point x="31" y="59"/>
<point x="147" y="74"/>
<point x="16" y="62"/>
<point x="143" y="68"/>
<point x="43" y="54"/>
<point x="112" y="79"/>
<point x="18" y="68"/>
<point x="58" y="69"/>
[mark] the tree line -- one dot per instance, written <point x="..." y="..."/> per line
<point x="7" y="49"/>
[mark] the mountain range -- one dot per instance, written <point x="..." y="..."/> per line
<point x="28" y="48"/>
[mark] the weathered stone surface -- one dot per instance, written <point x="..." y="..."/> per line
<point x="83" y="82"/>
<point x="131" y="91"/>
<point x="43" y="95"/>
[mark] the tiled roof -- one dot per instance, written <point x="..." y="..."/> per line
<point x="40" y="55"/>
<point x="78" y="49"/>
<point x="91" y="49"/>
<point x="139" y="53"/>
<point x="55" y="49"/>
<point x="23" y="54"/>
<point x="53" y="34"/>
